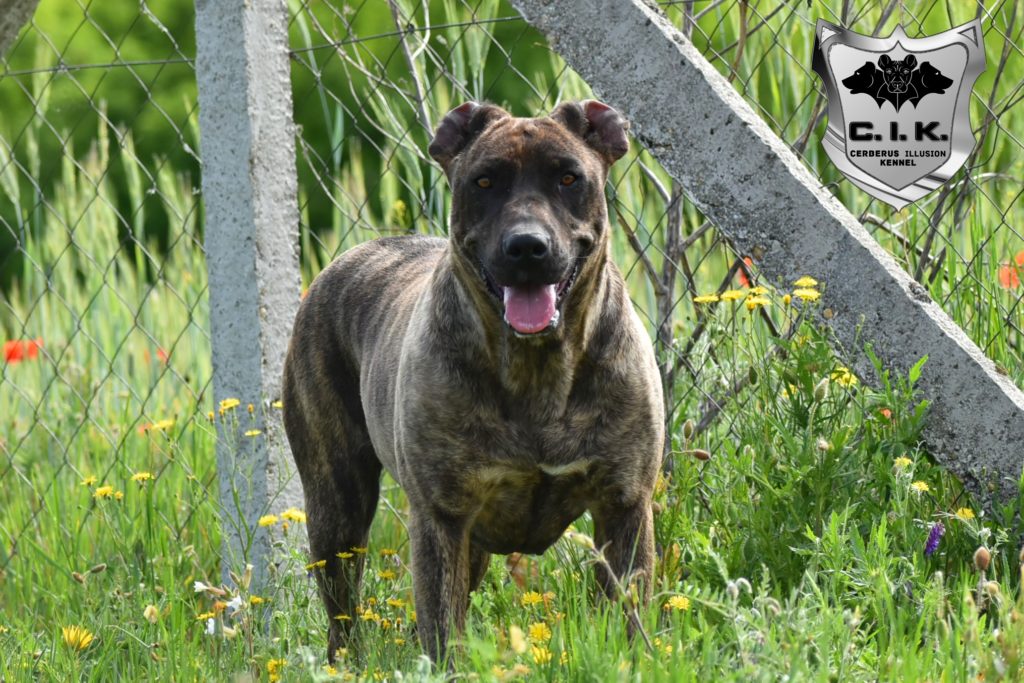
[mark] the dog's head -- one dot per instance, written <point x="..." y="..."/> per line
<point x="862" y="79"/>
<point x="528" y="208"/>
<point x="897" y="73"/>
<point x="932" y="80"/>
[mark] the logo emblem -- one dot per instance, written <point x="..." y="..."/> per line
<point x="898" y="108"/>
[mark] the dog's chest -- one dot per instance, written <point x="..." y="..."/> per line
<point x="526" y="508"/>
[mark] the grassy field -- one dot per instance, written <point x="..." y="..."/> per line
<point x="804" y="534"/>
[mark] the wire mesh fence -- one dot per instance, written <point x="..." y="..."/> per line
<point x="102" y="273"/>
<point x="376" y="77"/>
<point x="102" y="294"/>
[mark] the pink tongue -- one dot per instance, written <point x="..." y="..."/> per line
<point x="529" y="309"/>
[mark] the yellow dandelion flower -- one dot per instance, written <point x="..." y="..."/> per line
<point x="118" y="495"/>
<point x="330" y="670"/>
<point x="920" y="487"/>
<point x="319" y="564"/>
<point x="964" y="514"/>
<point x="539" y="632"/>
<point x="294" y="515"/>
<point x="902" y="462"/>
<point x="388" y="552"/>
<point x="531" y="598"/>
<point x="844" y="377"/>
<point x="343" y="555"/>
<point x="343" y="617"/>
<point x="277" y="404"/>
<point x="106" y="491"/>
<point x="541" y="655"/>
<point x="251" y="408"/>
<point x="759" y="290"/>
<point x="274" y="667"/>
<point x="253" y="432"/>
<point x="151" y="614"/>
<point x="369" y="615"/>
<point x="705" y="299"/>
<point x="386" y="574"/>
<point x="256" y="600"/>
<point x="385" y="624"/>
<point x="89" y="481"/>
<point x="229" y="404"/>
<point x="209" y="416"/>
<point x="357" y="550"/>
<point x="564" y="657"/>
<point x="162" y="425"/>
<point x="397" y="603"/>
<point x="806" y="282"/>
<point x="731" y="295"/>
<point x="787" y="299"/>
<point x="753" y="302"/>
<point x="268" y="520"/>
<point x="142" y="477"/>
<point x="77" y="637"/>
<point x="205" y="615"/>
<point x="679" y="603"/>
<point x="807" y="294"/>
<point x="399" y="641"/>
<point x="371" y="601"/>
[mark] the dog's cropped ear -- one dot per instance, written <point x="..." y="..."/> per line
<point x="459" y="127"/>
<point x="599" y="125"/>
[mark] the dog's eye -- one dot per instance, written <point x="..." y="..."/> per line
<point x="483" y="181"/>
<point x="568" y="179"/>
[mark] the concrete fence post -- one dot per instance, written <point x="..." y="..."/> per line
<point x="251" y="206"/>
<point x="13" y="15"/>
<point x="748" y="182"/>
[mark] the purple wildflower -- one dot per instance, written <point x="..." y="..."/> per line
<point x="934" y="536"/>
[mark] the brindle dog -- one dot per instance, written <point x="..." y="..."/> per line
<point x="501" y="376"/>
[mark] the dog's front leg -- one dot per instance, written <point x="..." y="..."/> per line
<point x="440" y="570"/>
<point x="626" y="537"/>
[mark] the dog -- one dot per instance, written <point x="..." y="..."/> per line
<point x="865" y="80"/>
<point x="928" y="80"/>
<point x="501" y="376"/>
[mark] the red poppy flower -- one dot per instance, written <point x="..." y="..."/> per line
<point x="162" y="355"/>
<point x="742" y="272"/>
<point x="1008" y="277"/>
<point x="18" y="350"/>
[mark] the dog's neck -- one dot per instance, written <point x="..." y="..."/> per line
<point x="540" y="369"/>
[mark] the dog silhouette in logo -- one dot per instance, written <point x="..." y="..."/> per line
<point x="897" y="81"/>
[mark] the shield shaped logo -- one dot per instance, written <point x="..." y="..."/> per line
<point x="899" y="121"/>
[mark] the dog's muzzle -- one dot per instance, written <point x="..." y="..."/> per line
<point x="531" y="309"/>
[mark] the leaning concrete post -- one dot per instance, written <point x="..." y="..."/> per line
<point x="748" y="182"/>
<point x="249" y="192"/>
<point x="13" y="15"/>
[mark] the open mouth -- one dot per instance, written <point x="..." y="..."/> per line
<point x="531" y="309"/>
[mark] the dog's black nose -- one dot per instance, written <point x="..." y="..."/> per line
<point x="526" y="247"/>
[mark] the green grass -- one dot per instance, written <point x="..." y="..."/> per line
<point x="799" y="545"/>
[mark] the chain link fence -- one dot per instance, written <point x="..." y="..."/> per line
<point x="370" y="82"/>
<point x="103" y="307"/>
